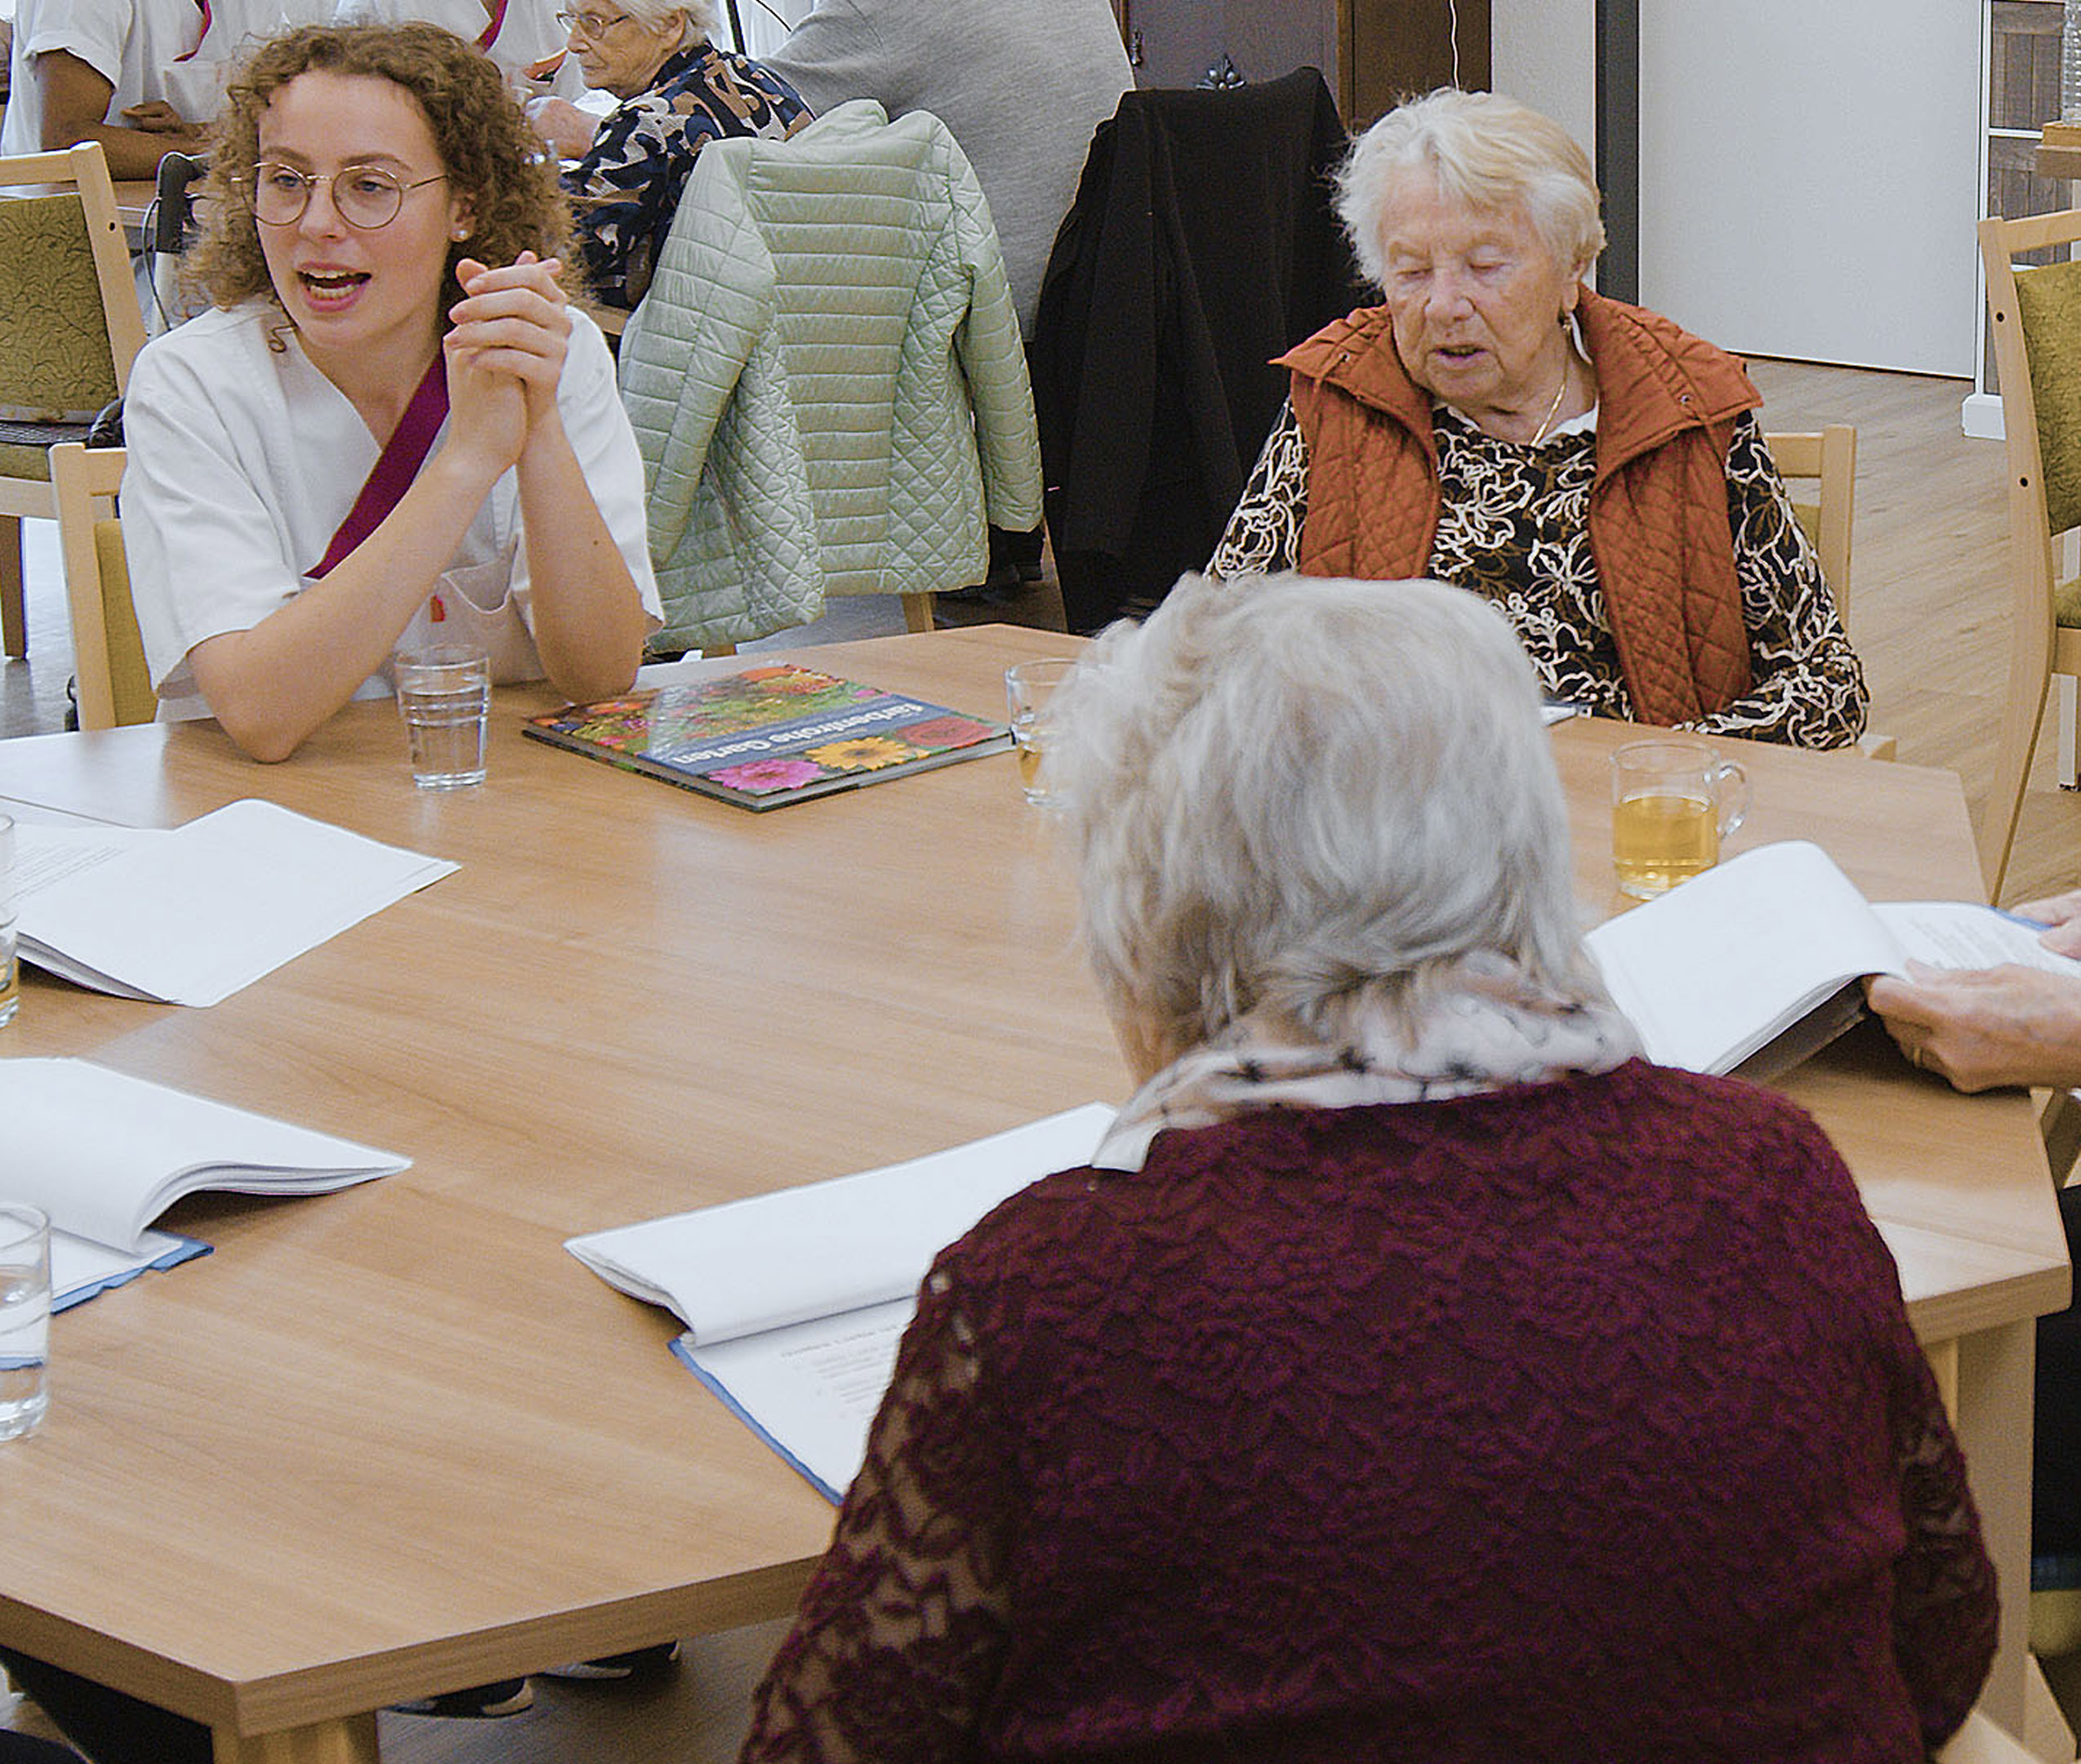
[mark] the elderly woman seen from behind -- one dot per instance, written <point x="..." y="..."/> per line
<point x="1415" y="1373"/>
<point x="678" y="91"/>
<point x="1594" y="470"/>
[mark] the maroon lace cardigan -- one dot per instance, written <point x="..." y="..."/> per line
<point x="1576" y="1421"/>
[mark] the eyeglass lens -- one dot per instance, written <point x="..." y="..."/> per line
<point x="366" y="196"/>
<point x="590" y="26"/>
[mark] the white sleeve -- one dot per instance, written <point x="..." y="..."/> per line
<point x="597" y="427"/>
<point x="206" y="554"/>
<point x="97" y="31"/>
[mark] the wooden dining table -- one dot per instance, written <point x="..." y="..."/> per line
<point x="395" y="1440"/>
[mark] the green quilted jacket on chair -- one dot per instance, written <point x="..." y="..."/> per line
<point x="826" y="379"/>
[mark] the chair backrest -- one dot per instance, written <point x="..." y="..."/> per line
<point x="69" y="321"/>
<point x="825" y="378"/>
<point x="115" y="687"/>
<point x="1820" y="468"/>
<point x="2034" y="314"/>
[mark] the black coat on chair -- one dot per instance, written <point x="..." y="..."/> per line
<point x="1201" y="244"/>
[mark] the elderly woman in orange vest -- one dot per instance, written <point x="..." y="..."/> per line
<point x="1594" y="470"/>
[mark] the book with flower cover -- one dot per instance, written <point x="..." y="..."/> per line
<point x="766" y="737"/>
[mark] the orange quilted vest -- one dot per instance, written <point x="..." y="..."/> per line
<point x="1659" y="532"/>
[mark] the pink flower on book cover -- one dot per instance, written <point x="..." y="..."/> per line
<point x="761" y="778"/>
<point x="946" y="732"/>
<point x="864" y="753"/>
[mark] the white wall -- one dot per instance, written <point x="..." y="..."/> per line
<point x="1809" y="173"/>
<point x="1543" y="53"/>
<point x="1810" y="176"/>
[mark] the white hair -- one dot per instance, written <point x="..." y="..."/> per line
<point x="1281" y="788"/>
<point x="1490" y="152"/>
<point x="700" y="15"/>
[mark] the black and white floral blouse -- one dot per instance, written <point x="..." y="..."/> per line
<point x="1513" y="526"/>
<point x="626" y="188"/>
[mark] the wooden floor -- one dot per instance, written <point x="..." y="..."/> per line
<point x="1927" y="615"/>
<point x="1929" y="598"/>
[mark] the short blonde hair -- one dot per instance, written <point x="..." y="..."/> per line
<point x="1488" y="151"/>
<point x="1280" y="789"/>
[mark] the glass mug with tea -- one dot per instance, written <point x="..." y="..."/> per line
<point x="1672" y="801"/>
<point x="1029" y="686"/>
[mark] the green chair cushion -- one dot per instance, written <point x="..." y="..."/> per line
<point x="25" y="448"/>
<point x="54" y="363"/>
<point x="2066" y="604"/>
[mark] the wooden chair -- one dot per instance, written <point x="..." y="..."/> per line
<point x="1820" y="469"/>
<point x="1827" y="459"/>
<point x="115" y="688"/>
<point x="2035" y="315"/>
<point x="69" y="328"/>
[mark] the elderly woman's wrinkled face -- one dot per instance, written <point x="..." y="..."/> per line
<point x="1476" y="301"/>
<point x="616" y="53"/>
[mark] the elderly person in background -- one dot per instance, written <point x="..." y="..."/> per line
<point x="1415" y="1372"/>
<point x="678" y="92"/>
<point x="1594" y="470"/>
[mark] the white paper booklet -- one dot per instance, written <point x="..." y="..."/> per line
<point x="104" y="1154"/>
<point x="1753" y="963"/>
<point x="795" y="1301"/>
<point x="190" y="916"/>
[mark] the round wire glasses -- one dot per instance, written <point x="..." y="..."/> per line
<point x="366" y="196"/>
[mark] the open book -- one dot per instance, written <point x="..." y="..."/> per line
<point x="1754" y="963"/>
<point x="103" y="1155"/>
<point x="795" y="1302"/>
<point x="190" y="915"/>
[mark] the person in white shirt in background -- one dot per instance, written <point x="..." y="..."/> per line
<point x="141" y="77"/>
<point x="522" y="37"/>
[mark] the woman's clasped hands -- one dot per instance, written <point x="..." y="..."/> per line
<point x="506" y="356"/>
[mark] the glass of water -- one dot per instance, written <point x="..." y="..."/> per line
<point x="24" y="1318"/>
<point x="444" y="695"/>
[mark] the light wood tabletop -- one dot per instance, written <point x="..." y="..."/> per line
<point x="395" y="1440"/>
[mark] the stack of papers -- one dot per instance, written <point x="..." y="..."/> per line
<point x="104" y="1154"/>
<point x="189" y="917"/>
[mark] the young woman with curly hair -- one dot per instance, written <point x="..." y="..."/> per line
<point x="392" y="428"/>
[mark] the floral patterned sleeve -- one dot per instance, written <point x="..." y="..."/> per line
<point x="901" y="1630"/>
<point x="1264" y="534"/>
<point x="1807" y="686"/>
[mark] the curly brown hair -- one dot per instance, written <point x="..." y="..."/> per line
<point x="490" y="152"/>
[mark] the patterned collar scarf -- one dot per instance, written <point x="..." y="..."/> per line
<point x="1481" y="1025"/>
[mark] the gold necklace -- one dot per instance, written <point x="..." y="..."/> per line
<point x="1560" y="392"/>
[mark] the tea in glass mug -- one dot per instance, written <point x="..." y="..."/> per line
<point x="1672" y="801"/>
